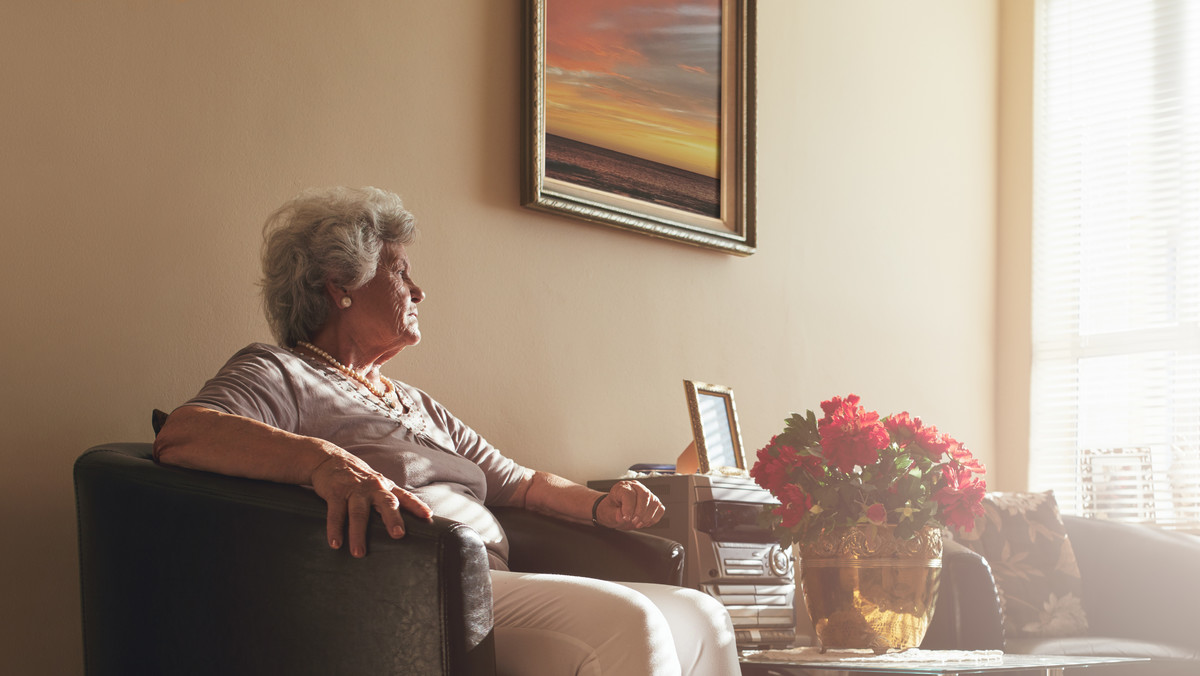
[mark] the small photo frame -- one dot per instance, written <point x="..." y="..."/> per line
<point x="715" y="428"/>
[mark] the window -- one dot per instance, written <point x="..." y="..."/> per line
<point x="1115" y="426"/>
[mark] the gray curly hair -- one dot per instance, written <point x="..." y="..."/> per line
<point x="330" y="234"/>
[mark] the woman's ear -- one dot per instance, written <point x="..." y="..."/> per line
<point x="338" y="294"/>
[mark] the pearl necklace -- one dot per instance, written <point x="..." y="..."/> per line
<point x="382" y="395"/>
<point x="393" y="402"/>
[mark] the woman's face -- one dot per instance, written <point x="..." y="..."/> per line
<point x="385" y="308"/>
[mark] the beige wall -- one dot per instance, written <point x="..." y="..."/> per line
<point x="144" y="141"/>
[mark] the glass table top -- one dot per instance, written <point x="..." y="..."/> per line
<point x="928" y="662"/>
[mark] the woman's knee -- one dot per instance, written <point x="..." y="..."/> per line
<point x="714" y="611"/>
<point x="628" y="608"/>
<point x="709" y="647"/>
<point x="694" y="607"/>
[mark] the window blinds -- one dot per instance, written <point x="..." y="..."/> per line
<point x="1115" y="426"/>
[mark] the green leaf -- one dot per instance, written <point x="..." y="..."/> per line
<point x="905" y="530"/>
<point x="800" y="432"/>
<point x="784" y="536"/>
<point x="826" y="496"/>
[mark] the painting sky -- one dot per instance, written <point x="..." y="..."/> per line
<point x="641" y="77"/>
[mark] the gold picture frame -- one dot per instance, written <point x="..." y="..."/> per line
<point x="655" y="133"/>
<point x="715" y="430"/>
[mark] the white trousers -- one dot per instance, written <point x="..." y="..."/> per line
<point x="558" y="625"/>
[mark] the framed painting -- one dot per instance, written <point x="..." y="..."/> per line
<point x="640" y="115"/>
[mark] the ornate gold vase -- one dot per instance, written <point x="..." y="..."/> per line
<point x="866" y="589"/>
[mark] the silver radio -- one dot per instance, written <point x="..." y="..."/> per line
<point x="729" y="555"/>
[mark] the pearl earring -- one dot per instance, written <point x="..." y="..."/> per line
<point x="346" y="301"/>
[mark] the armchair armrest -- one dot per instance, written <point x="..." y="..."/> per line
<point x="543" y="544"/>
<point x="1139" y="582"/>
<point x="967" y="615"/>
<point x="186" y="572"/>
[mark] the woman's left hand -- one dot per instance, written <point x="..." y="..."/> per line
<point x="629" y="505"/>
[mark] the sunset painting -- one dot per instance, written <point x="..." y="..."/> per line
<point x="633" y="99"/>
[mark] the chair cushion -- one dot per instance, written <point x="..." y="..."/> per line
<point x="1023" y="538"/>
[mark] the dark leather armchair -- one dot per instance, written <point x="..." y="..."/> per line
<point x="187" y="572"/>
<point x="967" y="614"/>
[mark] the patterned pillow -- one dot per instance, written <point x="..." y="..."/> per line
<point x="1023" y="539"/>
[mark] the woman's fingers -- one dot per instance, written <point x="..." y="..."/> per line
<point x="389" y="508"/>
<point x="412" y="504"/>
<point x="389" y="504"/>
<point x="636" y="506"/>
<point x="351" y="492"/>
<point x="335" y="522"/>
<point x="645" y="500"/>
<point x="659" y="510"/>
<point x="358" y="508"/>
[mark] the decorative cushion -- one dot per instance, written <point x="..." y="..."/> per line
<point x="1023" y="539"/>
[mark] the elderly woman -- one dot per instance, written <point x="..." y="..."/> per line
<point x="317" y="410"/>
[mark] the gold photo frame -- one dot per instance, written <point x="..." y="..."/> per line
<point x="643" y="118"/>
<point x="715" y="430"/>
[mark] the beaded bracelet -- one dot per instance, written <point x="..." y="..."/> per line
<point x="595" y="506"/>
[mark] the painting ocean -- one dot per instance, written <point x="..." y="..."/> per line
<point x="634" y="177"/>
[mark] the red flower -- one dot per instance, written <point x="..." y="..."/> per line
<point x="903" y="427"/>
<point x="961" y="497"/>
<point x="908" y="431"/>
<point x="813" y="464"/>
<point x="794" y="504"/>
<point x="963" y="457"/>
<point x="877" y="514"/>
<point x="770" y="471"/>
<point x="933" y="444"/>
<point x="850" y="435"/>
<point x="857" y="461"/>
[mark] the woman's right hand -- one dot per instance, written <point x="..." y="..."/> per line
<point x="201" y="438"/>
<point x="351" y="489"/>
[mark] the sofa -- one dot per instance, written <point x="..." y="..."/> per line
<point x="1140" y="592"/>
<point x="187" y="572"/>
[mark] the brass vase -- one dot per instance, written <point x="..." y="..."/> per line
<point x="866" y="589"/>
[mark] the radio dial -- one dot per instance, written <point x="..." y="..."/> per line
<point x="779" y="561"/>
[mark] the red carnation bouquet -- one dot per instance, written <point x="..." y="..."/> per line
<point x="853" y="467"/>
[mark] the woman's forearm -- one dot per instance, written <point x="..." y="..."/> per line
<point x="200" y="438"/>
<point x="553" y="495"/>
<point x="628" y="504"/>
